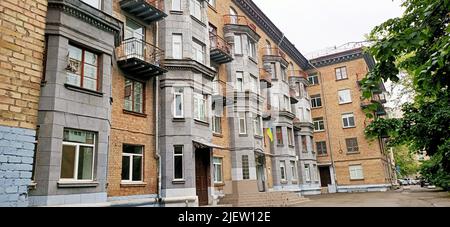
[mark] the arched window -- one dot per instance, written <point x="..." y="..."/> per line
<point x="268" y="47"/>
<point x="233" y="16"/>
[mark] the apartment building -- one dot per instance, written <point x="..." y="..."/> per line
<point x="347" y="160"/>
<point x="22" y="42"/>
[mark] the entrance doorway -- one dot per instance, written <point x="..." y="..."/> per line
<point x="260" y="172"/>
<point x="325" y="176"/>
<point x="202" y="174"/>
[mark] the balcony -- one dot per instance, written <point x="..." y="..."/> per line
<point x="265" y="77"/>
<point x="298" y="74"/>
<point x="148" y="11"/>
<point x="274" y="54"/>
<point x="240" y="24"/>
<point x="140" y="59"/>
<point x="293" y="97"/>
<point x="303" y="123"/>
<point x="220" y="49"/>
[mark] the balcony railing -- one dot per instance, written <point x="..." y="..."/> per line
<point x="147" y="11"/>
<point x="140" y="58"/>
<point x="220" y="49"/>
<point x="239" y="20"/>
<point x="276" y="52"/>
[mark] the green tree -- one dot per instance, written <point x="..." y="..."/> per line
<point x="418" y="43"/>
<point x="405" y="160"/>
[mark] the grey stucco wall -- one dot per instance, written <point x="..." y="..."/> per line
<point x="16" y="165"/>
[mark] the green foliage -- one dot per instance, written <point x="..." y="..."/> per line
<point x="418" y="43"/>
<point x="405" y="160"/>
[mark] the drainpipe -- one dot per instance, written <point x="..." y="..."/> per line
<point x="158" y="154"/>
<point x="326" y="122"/>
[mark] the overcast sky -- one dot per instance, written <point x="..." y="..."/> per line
<point x="313" y="25"/>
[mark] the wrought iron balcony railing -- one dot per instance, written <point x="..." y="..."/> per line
<point x="220" y="49"/>
<point x="239" y="20"/>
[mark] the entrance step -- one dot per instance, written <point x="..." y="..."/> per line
<point x="265" y="199"/>
<point x="324" y="190"/>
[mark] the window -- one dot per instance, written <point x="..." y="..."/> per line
<point x="134" y="96"/>
<point x="268" y="48"/>
<point x="251" y="48"/>
<point x="345" y="96"/>
<point x="257" y="126"/>
<point x="341" y="73"/>
<point x="352" y="145"/>
<point x="218" y="171"/>
<point x="304" y="144"/>
<point x="348" y="120"/>
<point x="316" y="101"/>
<point x="178" y="103"/>
<point x="287" y="104"/>
<point x="198" y="51"/>
<point x="245" y="168"/>
<point x="307" y="173"/>
<point x="319" y="124"/>
<point x="242" y="124"/>
<point x="254" y="84"/>
<point x="283" y="170"/>
<point x="290" y="137"/>
<point x="273" y="70"/>
<point x="177" y="46"/>
<point x="94" y="3"/>
<point x="315" y="172"/>
<point x="82" y="69"/>
<point x="321" y="148"/>
<point x="217" y="124"/>
<point x="200" y="105"/>
<point x="298" y="90"/>
<point x="310" y="144"/>
<point x="196" y="9"/>
<point x="314" y="79"/>
<point x="356" y="172"/>
<point x="283" y="73"/>
<point x="240" y="81"/>
<point x="279" y="132"/>
<point x="77" y="161"/>
<point x="237" y="44"/>
<point x="178" y="170"/>
<point x="176" y="5"/>
<point x="132" y="163"/>
<point x="233" y="16"/>
<point x="294" y="171"/>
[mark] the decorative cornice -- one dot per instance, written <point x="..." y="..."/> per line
<point x="188" y="64"/>
<point x="337" y="58"/>
<point x="255" y="13"/>
<point x="90" y="15"/>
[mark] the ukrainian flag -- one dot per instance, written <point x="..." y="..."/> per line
<point x="270" y="134"/>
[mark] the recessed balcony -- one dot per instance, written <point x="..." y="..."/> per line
<point x="220" y="52"/>
<point x="274" y="54"/>
<point x="148" y="11"/>
<point x="140" y="59"/>
<point x="239" y="24"/>
<point x="298" y="74"/>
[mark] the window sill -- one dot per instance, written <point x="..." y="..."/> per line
<point x="362" y="179"/>
<point x="316" y="108"/>
<point x="201" y="122"/>
<point x="353" y="153"/>
<point x="291" y="146"/>
<point x="135" y="113"/>
<point x="322" y="155"/>
<point x="294" y="182"/>
<point x="341" y="79"/>
<point x="258" y="137"/>
<point x="198" y="21"/>
<point x="319" y="131"/>
<point x="218" y="135"/>
<point x="83" y="90"/>
<point x="32" y="186"/>
<point x="77" y="184"/>
<point x="284" y="182"/>
<point x="132" y="184"/>
<point x="345" y="103"/>
<point x="280" y="145"/>
<point x="176" y="12"/>
<point x="238" y="55"/>
<point x="219" y="184"/>
<point x="243" y="135"/>
<point x="349" y="127"/>
<point x="179" y="182"/>
<point x="179" y="120"/>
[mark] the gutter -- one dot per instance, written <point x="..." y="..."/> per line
<point x="158" y="154"/>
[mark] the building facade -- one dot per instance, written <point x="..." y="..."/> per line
<point x="22" y="45"/>
<point x="347" y="161"/>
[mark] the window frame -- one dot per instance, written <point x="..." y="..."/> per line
<point x="321" y="147"/>
<point x="283" y="173"/>
<point x="245" y="167"/>
<point x="178" y="92"/>
<point x="344" y="93"/>
<point x="179" y="5"/>
<point x="348" y="116"/>
<point x="194" y="6"/>
<point x="130" y="180"/>
<point x="77" y="156"/>
<point x="244" y="117"/>
<point x="294" y="170"/>
<point x="215" y="168"/>
<point x="202" y="101"/>
<point x="315" y="100"/>
<point x="359" y="172"/>
<point x="176" y="55"/>
<point x="82" y="64"/>
<point x="99" y="4"/>
<point x="133" y="96"/>
<point x="238" y="49"/>
<point x="257" y="126"/>
<point x="279" y="135"/>
<point x="355" y="145"/>
<point x="196" y="52"/>
<point x="341" y="71"/>
<point x="320" y="122"/>
<point x="313" y="79"/>
<point x="175" y="155"/>
<point x="217" y="124"/>
<point x="307" y="173"/>
<point x="240" y="82"/>
<point x="290" y="133"/>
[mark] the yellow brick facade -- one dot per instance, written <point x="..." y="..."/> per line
<point x="22" y="46"/>
<point x="371" y="156"/>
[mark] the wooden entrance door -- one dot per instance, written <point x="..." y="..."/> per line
<point x="325" y="176"/>
<point x="202" y="175"/>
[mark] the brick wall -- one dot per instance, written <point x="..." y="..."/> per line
<point x="21" y="68"/>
